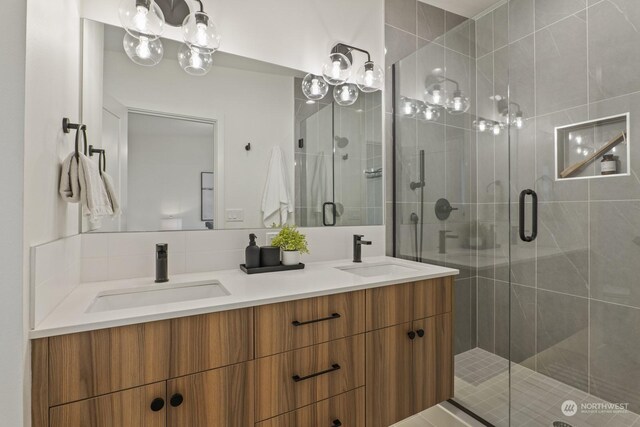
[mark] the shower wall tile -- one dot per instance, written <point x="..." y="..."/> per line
<point x="486" y="315"/>
<point x="562" y="338"/>
<point x="620" y="188"/>
<point x="485" y="104"/>
<point x="615" y="366"/>
<point x="520" y="19"/>
<point x="561" y="66"/>
<point x="388" y="153"/>
<point x="521" y="76"/>
<point x="614" y="51"/>
<point x="398" y="44"/>
<point x="547" y="187"/>
<point x="458" y="158"/>
<point x="515" y="263"/>
<point x="431" y="139"/>
<point x="484" y="35"/>
<point x="563" y="248"/>
<point x="501" y="26"/>
<point x="430" y="21"/>
<point x="458" y="38"/>
<point x="615" y="242"/>
<point x="550" y="11"/>
<point x="459" y="68"/>
<point x="523" y="158"/>
<point x="465" y="319"/>
<point x="487" y="187"/>
<point x="401" y="14"/>
<point x="516" y="323"/>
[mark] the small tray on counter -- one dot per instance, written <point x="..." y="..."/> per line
<point x="281" y="267"/>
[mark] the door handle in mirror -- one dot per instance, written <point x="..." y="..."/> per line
<point x="534" y="215"/>
<point x="333" y="214"/>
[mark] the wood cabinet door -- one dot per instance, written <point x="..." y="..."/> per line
<point x="209" y="341"/>
<point x="221" y="397"/>
<point x="389" y="390"/>
<point x="388" y="306"/>
<point x="89" y="364"/>
<point x="345" y="410"/>
<point x="129" y="408"/>
<point x="432" y="297"/>
<point x="296" y="324"/>
<point x="291" y="380"/>
<point x="432" y="361"/>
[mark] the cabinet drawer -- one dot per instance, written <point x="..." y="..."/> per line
<point x="389" y="305"/>
<point x="297" y="378"/>
<point x="297" y="324"/>
<point x="89" y="364"/>
<point x="129" y="408"/>
<point x="432" y="297"/>
<point x="200" y="343"/>
<point x="346" y="409"/>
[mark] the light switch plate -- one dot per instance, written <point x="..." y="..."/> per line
<point x="234" y="215"/>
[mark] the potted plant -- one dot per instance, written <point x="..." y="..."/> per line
<point x="292" y="243"/>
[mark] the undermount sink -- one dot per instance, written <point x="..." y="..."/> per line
<point x="373" y="270"/>
<point x="156" y="294"/>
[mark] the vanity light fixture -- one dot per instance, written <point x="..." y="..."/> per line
<point x="144" y="22"/>
<point x="345" y="94"/>
<point x="314" y="87"/>
<point x="434" y="94"/>
<point x="458" y="104"/>
<point x="337" y="69"/>
<point x="514" y="116"/>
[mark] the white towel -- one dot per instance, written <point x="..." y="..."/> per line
<point x="81" y="182"/>
<point x="276" y="200"/>
<point x="320" y="186"/>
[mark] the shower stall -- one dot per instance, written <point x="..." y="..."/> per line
<point x="500" y="128"/>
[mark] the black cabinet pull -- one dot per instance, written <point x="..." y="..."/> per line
<point x="157" y="404"/>
<point x="336" y="423"/>
<point x="333" y="316"/>
<point x="420" y="332"/>
<point x="411" y="335"/>
<point x="298" y="378"/>
<point x="176" y="400"/>
<point x="534" y="215"/>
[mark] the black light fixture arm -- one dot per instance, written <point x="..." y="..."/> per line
<point x="349" y="48"/>
<point x="201" y="6"/>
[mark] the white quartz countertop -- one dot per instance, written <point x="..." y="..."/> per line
<point x="317" y="279"/>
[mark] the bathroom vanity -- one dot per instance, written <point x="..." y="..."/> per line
<point x="336" y="344"/>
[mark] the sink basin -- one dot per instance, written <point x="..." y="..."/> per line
<point x="156" y="294"/>
<point x="373" y="270"/>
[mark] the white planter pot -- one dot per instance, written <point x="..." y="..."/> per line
<point x="290" y="257"/>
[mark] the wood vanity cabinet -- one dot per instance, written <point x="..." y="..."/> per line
<point x="316" y="362"/>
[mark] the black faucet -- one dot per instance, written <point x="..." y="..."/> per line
<point x="162" y="263"/>
<point x="357" y="247"/>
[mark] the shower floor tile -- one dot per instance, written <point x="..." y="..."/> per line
<point x="482" y="385"/>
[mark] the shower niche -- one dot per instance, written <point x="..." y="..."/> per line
<point x="597" y="148"/>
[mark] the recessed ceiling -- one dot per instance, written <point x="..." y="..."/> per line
<point x="468" y="8"/>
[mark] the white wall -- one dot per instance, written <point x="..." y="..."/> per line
<point x="249" y="107"/>
<point x="292" y="33"/>
<point x="12" y="313"/>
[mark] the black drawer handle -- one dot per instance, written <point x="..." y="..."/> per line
<point x="176" y="400"/>
<point x="157" y="404"/>
<point x="334" y="367"/>
<point x="336" y="423"/>
<point x="411" y="335"/>
<point x="308" y="322"/>
<point x="534" y="214"/>
<point x="420" y="332"/>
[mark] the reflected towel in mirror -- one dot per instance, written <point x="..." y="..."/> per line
<point x="320" y="185"/>
<point x="277" y="202"/>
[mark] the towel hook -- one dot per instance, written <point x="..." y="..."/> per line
<point x="66" y="128"/>
<point x="102" y="159"/>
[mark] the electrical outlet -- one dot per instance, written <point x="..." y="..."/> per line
<point x="270" y="236"/>
<point x="234" y="215"/>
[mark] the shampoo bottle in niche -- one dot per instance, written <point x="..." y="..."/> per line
<point x="252" y="253"/>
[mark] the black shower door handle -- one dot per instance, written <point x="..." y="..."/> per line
<point x="324" y="214"/>
<point x="534" y="215"/>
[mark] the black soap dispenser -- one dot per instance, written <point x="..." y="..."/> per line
<point x="252" y="253"/>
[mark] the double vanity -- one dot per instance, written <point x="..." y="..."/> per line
<point x="335" y="344"/>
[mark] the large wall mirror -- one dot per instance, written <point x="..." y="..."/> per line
<point x="199" y="153"/>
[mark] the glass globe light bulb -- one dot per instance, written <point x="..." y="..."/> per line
<point x="428" y="112"/>
<point x="194" y="61"/>
<point x="346" y="94"/>
<point x="337" y="69"/>
<point x="496" y="129"/>
<point x="199" y="32"/>
<point x="141" y="18"/>
<point x="370" y="77"/>
<point x="434" y="96"/>
<point x="142" y="50"/>
<point x="459" y="104"/>
<point x="482" y="126"/>
<point x="408" y="107"/>
<point x="314" y="87"/>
